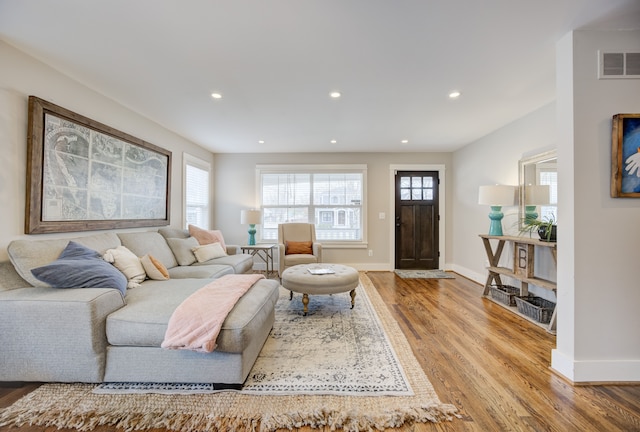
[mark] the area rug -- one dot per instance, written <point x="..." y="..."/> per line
<point x="424" y="274"/>
<point x="333" y="350"/>
<point x="76" y="406"/>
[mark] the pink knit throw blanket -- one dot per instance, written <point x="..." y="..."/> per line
<point x="196" y="322"/>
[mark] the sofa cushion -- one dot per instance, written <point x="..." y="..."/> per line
<point x="143" y="321"/>
<point x="28" y="254"/>
<point x="81" y="267"/>
<point x="205" y="237"/>
<point x="128" y="263"/>
<point x="155" y="269"/>
<point x="149" y="242"/>
<point x="240" y="263"/>
<point x="183" y="249"/>
<point x="167" y="232"/>
<point x="200" y="271"/>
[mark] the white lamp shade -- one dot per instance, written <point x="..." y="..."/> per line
<point x="536" y="195"/>
<point x="497" y="195"/>
<point x="250" y="217"/>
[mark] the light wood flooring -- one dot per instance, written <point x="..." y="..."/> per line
<point x="490" y="363"/>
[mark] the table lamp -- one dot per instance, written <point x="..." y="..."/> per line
<point x="251" y="217"/>
<point x="534" y="196"/>
<point x="496" y="196"/>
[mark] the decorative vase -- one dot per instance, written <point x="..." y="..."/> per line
<point x="545" y="236"/>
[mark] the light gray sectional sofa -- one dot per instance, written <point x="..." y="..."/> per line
<point x="98" y="335"/>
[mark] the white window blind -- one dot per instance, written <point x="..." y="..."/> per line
<point x="196" y="192"/>
<point x="331" y="197"/>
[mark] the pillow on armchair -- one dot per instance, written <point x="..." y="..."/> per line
<point x="294" y="247"/>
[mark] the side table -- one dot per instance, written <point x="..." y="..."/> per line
<point x="264" y="252"/>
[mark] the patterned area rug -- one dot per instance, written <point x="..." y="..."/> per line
<point x="424" y="274"/>
<point x="332" y="350"/>
<point x="76" y="406"/>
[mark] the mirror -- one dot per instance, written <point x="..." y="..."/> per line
<point x="538" y="192"/>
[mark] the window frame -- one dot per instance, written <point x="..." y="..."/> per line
<point x="312" y="169"/>
<point x="202" y="164"/>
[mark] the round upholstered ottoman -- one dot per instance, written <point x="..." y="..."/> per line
<point x="316" y="279"/>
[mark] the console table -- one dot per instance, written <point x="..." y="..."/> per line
<point x="522" y="267"/>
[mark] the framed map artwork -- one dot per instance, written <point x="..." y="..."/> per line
<point x="83" y="175"/>
<point x="625" y="156"/>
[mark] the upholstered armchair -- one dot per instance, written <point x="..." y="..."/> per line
<point x="297" y="245"/>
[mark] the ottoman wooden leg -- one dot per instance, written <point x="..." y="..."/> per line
<point x="305" y="303"/>
<point x="290" y="295"/>
<point x="352" y="293"/>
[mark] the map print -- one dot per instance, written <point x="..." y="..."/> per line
<point x="89" y="175"/>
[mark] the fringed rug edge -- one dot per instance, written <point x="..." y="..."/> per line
<point x="348" y="421"/>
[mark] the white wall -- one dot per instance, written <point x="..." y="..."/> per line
<point x="599" y="295"/>
<point x="236" y="190"/>
<point x="493" y="160"/>
<point x="22" y="76"/>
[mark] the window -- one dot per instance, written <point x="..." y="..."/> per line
<point x="548" y="175"/>
<point x="196" y="191"/>
<point x="416" y="188"/>
<point x="331" y="197"/>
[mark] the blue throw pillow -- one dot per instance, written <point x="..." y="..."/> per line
<point x="81" y="267"/>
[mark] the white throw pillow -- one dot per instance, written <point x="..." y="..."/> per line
<point x="128" y="263"/>
<point x="207" y="252"/>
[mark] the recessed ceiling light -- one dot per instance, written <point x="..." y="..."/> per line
<point x="216" y="95"/>
<point x="454" y="94"/>
<point x="404" y="141"/>
<point x="335" y="94"/>
<point x="333" y="141"/>
<point x="260" y="141"/>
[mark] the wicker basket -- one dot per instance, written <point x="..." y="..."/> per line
<point x="504" y="294"/>
<point x="536" y="308"/>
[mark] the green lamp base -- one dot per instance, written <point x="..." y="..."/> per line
<point x="496" y="215"/>
<point x="252" y="234"/>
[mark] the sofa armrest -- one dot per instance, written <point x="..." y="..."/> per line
<point x="317" y="251"/>
<point x="233" y="249"/>
<point x="50" y="334"/>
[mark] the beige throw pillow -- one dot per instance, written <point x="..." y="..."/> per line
<point x="128" y="263"/>
<point x="207" y="252"/>
<point x="154" y="268"/>
<point x="205" y="237"/>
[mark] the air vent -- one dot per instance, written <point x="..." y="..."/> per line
<point x="619" y="65"/>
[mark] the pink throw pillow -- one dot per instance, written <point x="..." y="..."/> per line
<point x="206" y="237"/>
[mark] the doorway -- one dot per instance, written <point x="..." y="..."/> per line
<point x="417" y="219"/>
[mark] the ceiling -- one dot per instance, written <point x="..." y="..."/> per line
<point x="275" y="62"/>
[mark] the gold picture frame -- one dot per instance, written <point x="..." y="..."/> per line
<point x="83" y="175"/>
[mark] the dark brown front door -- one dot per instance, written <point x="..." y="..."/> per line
<point x="416" y="218"/>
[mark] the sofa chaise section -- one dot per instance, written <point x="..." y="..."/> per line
<point x="135" y="333"/>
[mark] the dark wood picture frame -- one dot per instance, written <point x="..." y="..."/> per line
<point x="83" y="175"/>
<point x="625" y="156"/>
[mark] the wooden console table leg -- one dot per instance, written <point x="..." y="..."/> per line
<point x="494" y="259"/>
<point x="492" y="278"/>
